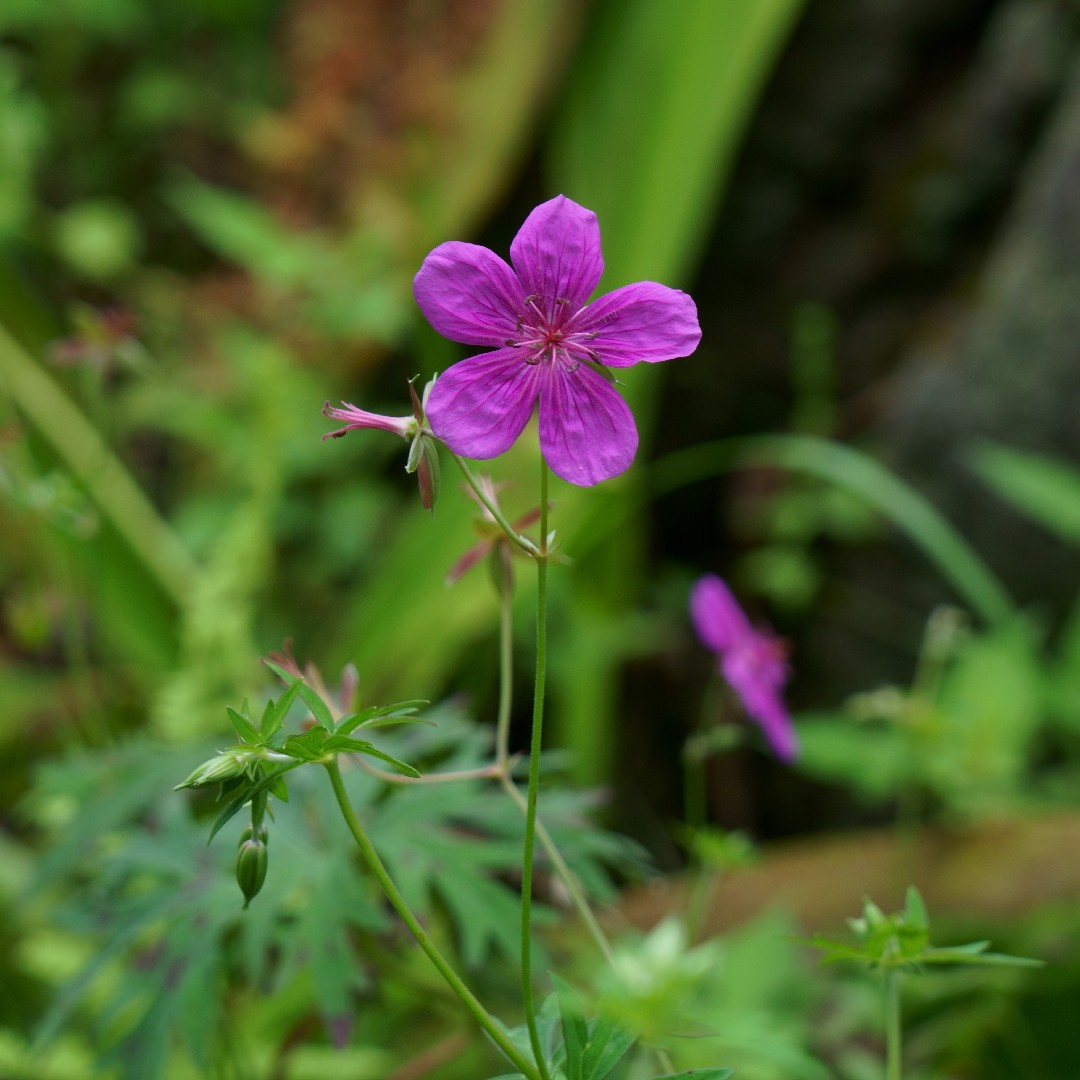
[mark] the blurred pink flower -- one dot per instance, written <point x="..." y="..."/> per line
<point x="549" y="345"/>
<point x="752" y="661"/>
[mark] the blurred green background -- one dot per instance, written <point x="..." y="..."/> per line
<point x="210" y="215"/>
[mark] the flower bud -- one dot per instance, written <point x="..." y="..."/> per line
<point x="251" y="867"/>
<point x="248" y="833"/>
<point x="223" y="767"/>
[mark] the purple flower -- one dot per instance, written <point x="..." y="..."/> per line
<point x="549" y="345"/>
<point x="752" y="661"/>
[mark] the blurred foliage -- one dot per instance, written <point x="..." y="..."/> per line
<point x="210" y="215"/>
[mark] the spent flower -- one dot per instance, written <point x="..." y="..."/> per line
<point x="423" y="454"/>
<point x="753" y="661"/>
<point x="550" y="347"/>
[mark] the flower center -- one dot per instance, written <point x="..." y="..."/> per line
<point x="546" y="335"/>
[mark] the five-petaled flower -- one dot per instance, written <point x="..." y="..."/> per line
<point x="549" y="345"/>
<point x="752" y="661"/>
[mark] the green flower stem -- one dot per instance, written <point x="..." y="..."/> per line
<point x="506" y="661"/>
<point x="502" y="758"/>
<point x="499" y="517"/>
<point x="378" y="869"/>
<point x="534" y="778"/>
<point x="566" y="875"/>
<point x="892" y="1024"/>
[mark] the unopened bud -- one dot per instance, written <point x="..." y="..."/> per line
<point x="223" y="767"/>
<point x="248" y="834"/>
<point x="251" y="867"/>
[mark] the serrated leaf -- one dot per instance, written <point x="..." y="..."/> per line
<point x="247" y="733"/>
<point x="245" y="796"/>
<point x="319" y="709"/>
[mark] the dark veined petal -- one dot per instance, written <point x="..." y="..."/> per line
<point x="469" y="294"/>
<point x="645" y="321"/>
<point x="587" y="432"/>
<point x="719" y="621"/>
<point x="481" y="405"/>
<point x="556" y="254"/>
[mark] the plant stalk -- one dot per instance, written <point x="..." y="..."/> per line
<point x="892" y="1024"/>
<point x="534" y="778"/>
<point x="397" y="901"/>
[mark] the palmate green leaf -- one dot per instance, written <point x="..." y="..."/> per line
<point x="310" y="746"/>
<point x="319" y="709"/>
<point x="269" y="782"/>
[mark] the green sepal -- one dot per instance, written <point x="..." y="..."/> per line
<point x="429" y="473"/>
<point x="248" y="793"/>
<point x="222" y="769"/>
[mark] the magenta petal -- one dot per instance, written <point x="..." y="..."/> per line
<point x="469" y="294"/>
<point x="587" y="432"/>
<point x="645" y="321"/>
<point x="760" y="687"/>
<point x="556" y="254"/>
<point x="481" y="405"/>
<point x="719" y="621"/>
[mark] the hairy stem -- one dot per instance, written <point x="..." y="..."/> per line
<point x="397" y="901"/>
